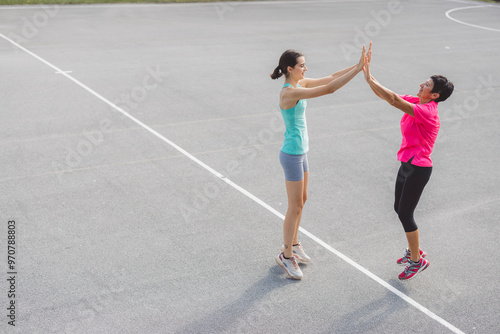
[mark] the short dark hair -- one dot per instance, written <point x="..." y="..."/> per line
<point x="442" y="86"/>
<point x="288" y="58"/>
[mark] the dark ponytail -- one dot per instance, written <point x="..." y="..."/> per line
<point x="277" y="73"/>
<point x="288" y="58"/>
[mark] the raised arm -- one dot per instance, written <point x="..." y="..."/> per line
<point x="299" y="93"/>
<point x="385" y="94"/>
<point x="311" y="83"/>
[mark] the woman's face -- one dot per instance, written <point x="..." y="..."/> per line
<point x="299" y="70"/>
<point x="425" y="91"/>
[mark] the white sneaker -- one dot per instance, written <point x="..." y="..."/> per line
<point x="290" y="265"/>
<point x="298" y="252"/>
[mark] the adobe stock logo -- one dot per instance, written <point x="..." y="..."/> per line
<point x="248" y="150"/>
<point x="31" y="27"/>
<point x="92" y="139"/>
<point x="459" y="111"/>
<point x="139" y="93"/>
<point x="223" y="8"/>
<point x="372" y="28"/>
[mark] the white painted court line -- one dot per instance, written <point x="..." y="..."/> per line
<point x="469" y="24"/>
<point x="365" y="271"/>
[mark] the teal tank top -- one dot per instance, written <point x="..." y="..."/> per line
<point x="296" y="139"/>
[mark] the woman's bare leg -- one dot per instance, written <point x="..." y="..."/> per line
<point x="304" y="198"/>
<point x="295" y="194"/>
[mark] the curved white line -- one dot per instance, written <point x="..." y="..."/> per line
<point x="469" y="24"/>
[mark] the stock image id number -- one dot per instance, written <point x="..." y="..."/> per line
<point x="11" y="245"/>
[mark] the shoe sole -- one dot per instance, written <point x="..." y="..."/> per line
<point x="286" y="270"/>
<point x="419" y="271"/>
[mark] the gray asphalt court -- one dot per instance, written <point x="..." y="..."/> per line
<point x="141" y="190"/>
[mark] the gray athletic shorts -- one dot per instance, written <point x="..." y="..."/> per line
<point x="294" y="166"/>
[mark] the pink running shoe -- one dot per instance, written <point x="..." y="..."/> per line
<point x="407" y="255"/>
<point x="413" y="268"/>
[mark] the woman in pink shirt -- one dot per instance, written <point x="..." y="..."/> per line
<point x="419" y="126"/>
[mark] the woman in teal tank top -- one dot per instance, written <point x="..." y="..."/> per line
<point x="293" y="154"/>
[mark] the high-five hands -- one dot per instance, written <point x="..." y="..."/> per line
<point x="366" y="67"/>
<point x="362" y="60"/>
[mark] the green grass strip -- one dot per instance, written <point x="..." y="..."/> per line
<point x="76" y="2"/>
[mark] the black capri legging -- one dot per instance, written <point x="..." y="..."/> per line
<point x="410" y="184"/>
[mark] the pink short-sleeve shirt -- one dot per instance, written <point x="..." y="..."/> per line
<point x="419" y="132"/>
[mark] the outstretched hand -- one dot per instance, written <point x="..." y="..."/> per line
<point x="366" y="68"/>
<point x="362" y="60"/>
